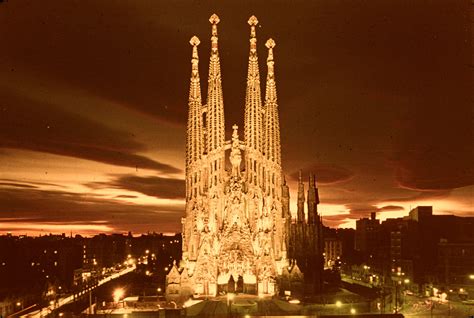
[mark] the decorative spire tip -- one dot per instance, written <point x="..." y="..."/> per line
<point x="252" y="21"/>
<point x="214" y="19"/>
<point x="270" y="43"/>
<point x="194" y="41"/>
<point x="253" y="34"/>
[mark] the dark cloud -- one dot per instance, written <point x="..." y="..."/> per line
<point x="437" y="174"/>
<point x="17" y="185"/>
<point x="32" y="125"/>
<point x="335" y="220"/>
<point x="423" y="195"/>
<point x="163" y="188"/>
<point x="325" y="173"/>
<point x="433" y="148"/>
<point x="154" y="186"/>
<point x="358" y="210"/>
<point x="126" y="196"/>
<point x="390" y="208"/>
<point x="29" y="184"/>
<point x="40" y="206"/>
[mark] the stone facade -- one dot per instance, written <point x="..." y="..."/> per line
<point x="235" y="233"/>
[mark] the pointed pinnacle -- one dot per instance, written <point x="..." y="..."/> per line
<point x="195" y="59"/>
<point x="214" y="19"/>
<point x="194" y="41"/>
<point x="252" y="21"/>
<point x="270" y="43"/>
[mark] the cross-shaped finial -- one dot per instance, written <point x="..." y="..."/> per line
<point x="235" y="127"/>
<point x="194" y="41"/>
<point x="214" y="19"/>
<point x="252" y="21"/>
<point x="270" y="43"/>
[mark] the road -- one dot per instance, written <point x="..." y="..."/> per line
<point x="71" y="298"/>
<point x="431" y="307"/>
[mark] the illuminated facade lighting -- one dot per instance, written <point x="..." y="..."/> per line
<point x="234" y="233"/>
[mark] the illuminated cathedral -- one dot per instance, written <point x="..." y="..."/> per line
<point x="236" y="225"/>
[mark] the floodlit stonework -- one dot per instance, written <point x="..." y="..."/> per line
<point x="235" y="232"/>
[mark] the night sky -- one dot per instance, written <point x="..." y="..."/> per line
<point x="375" y="98"/>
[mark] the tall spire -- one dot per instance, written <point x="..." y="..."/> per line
<point x="215" y="102"/>
<point x="313" y="200"/>
<point x="272" y="121"/>
<point x="312" y="209"/>
<point x="194" y="138"/>
<point x="300" y="206"/>
<point x="253" y="126"/>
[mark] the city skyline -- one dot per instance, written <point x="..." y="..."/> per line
<point x="94" y="105"/>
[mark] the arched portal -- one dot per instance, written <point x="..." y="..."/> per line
<point x="231" y="285"/>
<point x="240" y="285"/>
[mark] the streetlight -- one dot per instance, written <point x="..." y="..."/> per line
<point x="471" y="276"/>
<point x="118" y="294"/>
<point x="353" y="311"/>
<point x="230" y="297"/>
<point x="338" y="306"/>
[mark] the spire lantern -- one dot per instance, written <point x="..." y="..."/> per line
<point x="195" y="59"/>
<point x="270" y="44"/>
<point x="214" y="19"/>
<point x="253" y="35"/>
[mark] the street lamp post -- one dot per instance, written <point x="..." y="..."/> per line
<point x="398" y="282"/>
<point x="118" y="295"/>
<point x="338" y="306"/>
<point x="406" y="281"/>
<point x="396" y="297"/>
<point x="230" y="297"/>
